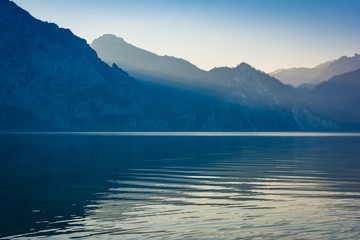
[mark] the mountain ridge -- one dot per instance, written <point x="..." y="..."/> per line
<point x="320" y="73"/>
<point x="53" y="80"/>
<point x="136" y="60"/>
<point x="57" y="79"/>
<point x="243" y="88"/>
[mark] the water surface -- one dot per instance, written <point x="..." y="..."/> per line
<point x="126" y="186"/>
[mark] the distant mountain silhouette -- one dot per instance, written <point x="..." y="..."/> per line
<point x="141" y="63"/>
<point x="243" y="79"/>
<point x="309" y="77"/>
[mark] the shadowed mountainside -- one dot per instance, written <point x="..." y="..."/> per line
<point x="52" y="80"/>
<point x="341" y="93"/>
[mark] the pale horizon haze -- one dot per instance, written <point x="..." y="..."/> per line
<point x="268" y="35"/>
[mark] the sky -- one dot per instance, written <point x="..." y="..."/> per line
<point x="267" y="34"/>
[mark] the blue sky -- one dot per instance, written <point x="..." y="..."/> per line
<point x="267" y="34"/>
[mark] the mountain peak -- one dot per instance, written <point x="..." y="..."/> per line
<point x="243" y="66"/>
<point x="109" y="39"/>
<point x="111" y="36"/>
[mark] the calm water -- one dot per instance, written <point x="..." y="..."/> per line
<point x="109" y="186"/>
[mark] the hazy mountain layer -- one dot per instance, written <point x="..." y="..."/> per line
<point x="141" y="63"/>
<point x="247" y="98"/>
<point x="318" y="74"/>
<point x="52" y="80"/>
<point x="342" y="94"/>
<point x="242" y="83"/>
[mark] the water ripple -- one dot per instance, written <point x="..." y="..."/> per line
<point x="208" y="188"/>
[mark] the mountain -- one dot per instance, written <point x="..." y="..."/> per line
<point x="243" y="98"/>
<point x="254" y="100"/>
<point x="246" y="84"/>
<point x="309" y="77"/>
<point x="52" y="80"/>
<point x="144" y="64"/>
<point x="341" y="93"/>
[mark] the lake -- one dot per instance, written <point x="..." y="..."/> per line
<point x="179" y="186"/>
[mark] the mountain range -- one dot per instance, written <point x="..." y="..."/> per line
<point x="141" y="63"/>
<point x="242" y="84"/>
<point x="310" y="77"/>
<point x="52" y="80"/>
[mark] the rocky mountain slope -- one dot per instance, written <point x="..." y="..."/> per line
<point x="52" y="80"/>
